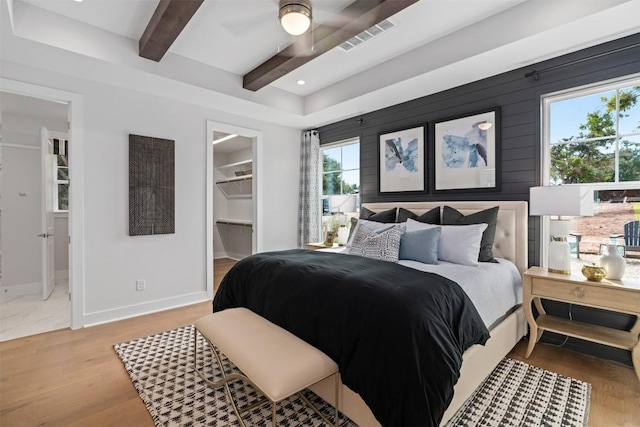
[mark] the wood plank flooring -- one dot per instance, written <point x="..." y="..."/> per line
<point x="74" y="378"/>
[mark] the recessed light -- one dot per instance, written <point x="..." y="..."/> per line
<point x="78" y="1"/>
<point x="301" y="82"/>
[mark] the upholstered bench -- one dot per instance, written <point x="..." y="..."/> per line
<point x="276" y="362"/>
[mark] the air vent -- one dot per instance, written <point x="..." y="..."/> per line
<point x="367" y="34"/>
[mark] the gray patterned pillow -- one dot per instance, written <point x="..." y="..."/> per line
<point x="384" y="246"/>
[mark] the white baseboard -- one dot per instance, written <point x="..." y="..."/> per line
<point x="61" y="274"/>
<point x="107" y="316"/>
<point x="24" y="289"/>
<point x="233" y="255"/>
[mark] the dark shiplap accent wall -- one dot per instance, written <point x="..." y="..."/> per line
<point x="519" y="99"/>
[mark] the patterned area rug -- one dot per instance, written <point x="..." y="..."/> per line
<point x="518" y="394"/>
<point x="161" y="369"/>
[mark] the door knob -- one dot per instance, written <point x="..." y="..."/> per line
<point x="45" y="235"/>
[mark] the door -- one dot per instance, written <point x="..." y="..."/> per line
<point x="47" y="225"/>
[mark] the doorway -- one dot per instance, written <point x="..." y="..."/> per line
<point x="233" y="190"/>
<point x="75" y="239"/>
<point x="29" y="304"/>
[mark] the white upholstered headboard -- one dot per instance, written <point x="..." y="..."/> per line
<point x="511" y="241"/>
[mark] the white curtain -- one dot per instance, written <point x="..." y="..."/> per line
<point x="309" y="201"/>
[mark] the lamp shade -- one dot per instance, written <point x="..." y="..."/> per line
<point x="561" y="200"/>
<point x="342" y="203"/>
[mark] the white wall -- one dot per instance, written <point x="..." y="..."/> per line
<point x="21" y="256"/>
<point x="173" y="265"/>
<point x="21" y="201"/>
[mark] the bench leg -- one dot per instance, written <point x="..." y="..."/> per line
<point x="226" y="379"/>
<point x="337" y="416"/>
<point x="317" y="411"/>
<point x="274" y="420"/>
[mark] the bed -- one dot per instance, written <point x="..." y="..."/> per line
<point x="506" y="327"/>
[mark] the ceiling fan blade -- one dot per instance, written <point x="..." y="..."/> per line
<point x="252" y="24"/>
<point x="299" y="46"/>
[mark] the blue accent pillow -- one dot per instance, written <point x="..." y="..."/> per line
<point x="421" y="245"/>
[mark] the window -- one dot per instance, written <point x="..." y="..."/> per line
<point x="61" y="176"/>
<point x="592" y="135"/>
<point x="340" y="177"/>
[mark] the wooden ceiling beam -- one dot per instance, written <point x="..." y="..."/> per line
<point x="164" y="27"/>
<point x="354" y="19"/>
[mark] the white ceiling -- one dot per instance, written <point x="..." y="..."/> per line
<point x="437" y="44"/>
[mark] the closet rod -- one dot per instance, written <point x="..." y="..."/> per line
<point x="240" y="224"/>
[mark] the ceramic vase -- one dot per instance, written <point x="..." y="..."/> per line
<point x="343" y="235"/>
<point x="613" y="262"/>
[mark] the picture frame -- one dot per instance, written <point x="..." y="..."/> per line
<point x="402" y="161"/>
<point x="467" y="152"/>
<point x="330" y="238"/>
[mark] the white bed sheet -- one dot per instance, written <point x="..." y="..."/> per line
<point x="494" y="288"/>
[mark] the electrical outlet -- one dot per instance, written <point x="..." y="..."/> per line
<point x="140" y="285"/>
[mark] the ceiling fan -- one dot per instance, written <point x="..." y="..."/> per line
<point x="295" y="20"/>
<point x="295" y="16"/>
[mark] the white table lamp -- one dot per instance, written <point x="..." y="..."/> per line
<point x="341" y="204"/>
<point x="560" y="200"/>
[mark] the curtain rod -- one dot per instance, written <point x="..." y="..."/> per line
<point x="536" y="73"/>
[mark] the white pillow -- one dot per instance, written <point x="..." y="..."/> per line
<point x="373" y="226"/>
<point x="459" y="244"/>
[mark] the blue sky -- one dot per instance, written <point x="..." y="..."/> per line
<point x="567" y="115"/>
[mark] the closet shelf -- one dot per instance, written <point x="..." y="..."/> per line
<point x="236" y="188"/>
<point x="235" y="164"/>
<point x="235" y="179"/>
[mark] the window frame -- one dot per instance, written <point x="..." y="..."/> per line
<point x="579" y="91"/>
<point x="545" y="140"/>
<point x="341" y="143"/>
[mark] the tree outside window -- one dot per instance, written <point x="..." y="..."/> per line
<point x="606" y="144"/>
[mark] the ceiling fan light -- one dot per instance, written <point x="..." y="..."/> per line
<point x="295" y="16"/>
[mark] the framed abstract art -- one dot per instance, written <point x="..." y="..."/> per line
<point x="467" y="152"/>
<point x="401" y="161"/>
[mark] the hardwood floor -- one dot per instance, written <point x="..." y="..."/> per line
<point x="74" y="377"/>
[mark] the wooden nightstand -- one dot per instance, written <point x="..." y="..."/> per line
<point x="621" y="296"/>
<point x="319" y="245"/>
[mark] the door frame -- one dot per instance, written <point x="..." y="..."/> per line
<point x="76" y="190"/>
<point x="256" y="239"/>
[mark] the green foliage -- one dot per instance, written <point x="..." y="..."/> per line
<point x="629" y="162"/>
<point x="575" y="160"/>
<point x="332" y="182"/>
